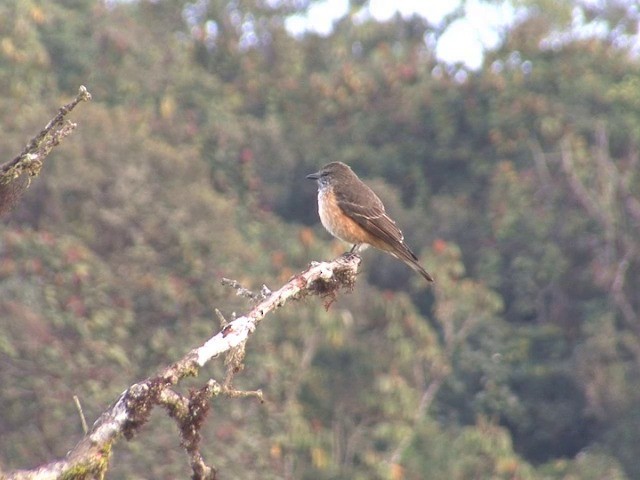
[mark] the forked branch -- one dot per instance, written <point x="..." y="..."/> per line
<point x="90" y="457"/>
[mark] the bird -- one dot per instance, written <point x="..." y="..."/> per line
<point x="353" y="213"/>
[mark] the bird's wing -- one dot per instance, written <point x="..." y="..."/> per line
<point x="367" y="210"/>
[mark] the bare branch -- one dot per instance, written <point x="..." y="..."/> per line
<point x="240" y="290"/>
<point x="233" y="362"/>
<point x="30" y="160"/>
<point x="189" y="414"/>
<point x="83" y="420"/>
<point x="223" y="321"/>
<point x="90" y="457"/>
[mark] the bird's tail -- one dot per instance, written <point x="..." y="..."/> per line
<point x="410" y="258"/>
<point x="418" y="268"/>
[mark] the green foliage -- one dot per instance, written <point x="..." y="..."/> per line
<point x="57" y="294"/>
<point x="25" y="59"/>
<point x="480" y="451"/>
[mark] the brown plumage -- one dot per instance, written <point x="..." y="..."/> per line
<point x="352" y="212"/>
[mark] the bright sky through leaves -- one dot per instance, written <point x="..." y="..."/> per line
<point x="464" y="41"/>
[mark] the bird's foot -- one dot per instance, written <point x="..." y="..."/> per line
<point x="350" y="254"/>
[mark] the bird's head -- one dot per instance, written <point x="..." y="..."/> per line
<point x="331" y="172"/>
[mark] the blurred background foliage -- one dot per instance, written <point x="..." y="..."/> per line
<point x="517" y="183"/>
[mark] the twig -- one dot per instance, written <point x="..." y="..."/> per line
<point x="83" y="420"/>
<point x="223" y="321"/>
<point x="240" y="290"/>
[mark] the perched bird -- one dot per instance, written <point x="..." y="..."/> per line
<point x="352" y="212"/>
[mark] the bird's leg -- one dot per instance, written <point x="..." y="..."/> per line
<point x="355" y="250"/>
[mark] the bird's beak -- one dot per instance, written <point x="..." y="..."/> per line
<point x="313" y="176"/>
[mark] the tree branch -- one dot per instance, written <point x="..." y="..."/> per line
<point x="30" y="160"/>
<point x="90" y="457"/>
